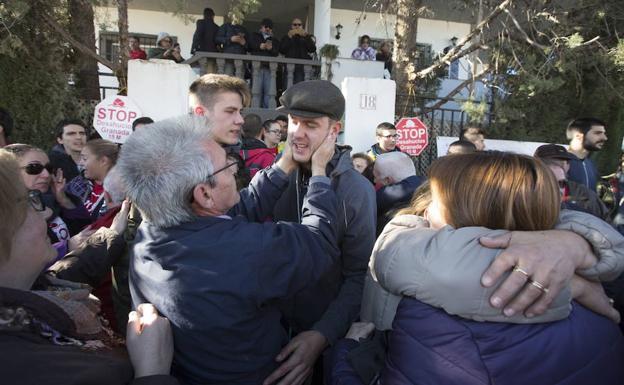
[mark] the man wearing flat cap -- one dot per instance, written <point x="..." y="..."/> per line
<point x="574" y="196"/>
<point x="321" y="314"/>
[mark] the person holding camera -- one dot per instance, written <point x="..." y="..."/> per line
<point x="166" y="49"/>
<point x="297" y="44"/>
<point x="262" y="43"/>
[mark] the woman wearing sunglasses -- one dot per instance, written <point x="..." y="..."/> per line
<point x="68" y="214"/>
<point x="50" y="332"/>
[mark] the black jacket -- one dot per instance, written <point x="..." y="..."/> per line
<point x="297" y="47"/>
<point x="256" y="39"/>
<point x="60" y="159"/>
<point x="224" y="36"/>
<point x="204" y="36"/>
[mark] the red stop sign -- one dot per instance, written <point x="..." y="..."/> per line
<point x="413" y="136"/>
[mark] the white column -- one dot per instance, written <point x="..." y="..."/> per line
<point x="322" y="22"/>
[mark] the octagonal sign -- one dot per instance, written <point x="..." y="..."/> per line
<point x="413" y="136"/>
<point x="113" y="118"/>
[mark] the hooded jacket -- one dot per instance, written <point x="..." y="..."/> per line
<point x="331" y="305"/>
<point x="257" y="155"/>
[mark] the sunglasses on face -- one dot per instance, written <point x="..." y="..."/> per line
<point x="297" y="24"/>
<point x="37" y="168"/>
<point x="35" y="200"/>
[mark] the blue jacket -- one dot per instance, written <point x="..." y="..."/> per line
<point x="584" y="171"/>
<point x="217" y="279"/>
<point x="393" y="196"/>
<point x="428" y="346"/>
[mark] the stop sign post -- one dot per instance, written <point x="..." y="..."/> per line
<point x="413" y="136"/>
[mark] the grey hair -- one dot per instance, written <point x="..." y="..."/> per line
<point x="114" y="186"/>
<point x="161" y="166"/>
<point x="397" y="165"/>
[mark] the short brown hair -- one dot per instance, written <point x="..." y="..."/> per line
<point x="384" y="126"/>
<point x="497" y="190"/>
<point x="206" y="88"/>
<point x="101" y="147"/>
<point x="12" y="202"/>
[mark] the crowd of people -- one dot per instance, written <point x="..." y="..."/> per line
<point x="224" y="249"/>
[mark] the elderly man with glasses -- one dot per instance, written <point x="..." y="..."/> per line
<point x="206" y="259"/>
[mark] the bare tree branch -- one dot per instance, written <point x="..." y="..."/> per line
<point x="523" y="32"/>
<point x="457" y="52"/>
<point x="458" y="89"/>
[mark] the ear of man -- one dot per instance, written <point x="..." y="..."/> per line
<point x="335" y="126"/>
<point x="202" y="196"/>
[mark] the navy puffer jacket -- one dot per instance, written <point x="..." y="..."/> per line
<point x="428" y="346"/>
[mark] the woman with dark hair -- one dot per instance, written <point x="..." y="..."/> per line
<point x="425" y="285"/>
<point x="361" y="161"/>
<point x="97" y="157"/>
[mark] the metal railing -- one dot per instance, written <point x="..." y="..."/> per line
<point x="250" y="67"/>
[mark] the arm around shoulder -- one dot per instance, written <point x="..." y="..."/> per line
<point x="606" y="243"/>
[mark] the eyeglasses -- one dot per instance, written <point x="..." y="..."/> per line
<point x="297" y="24"/>
<point x="224" y="168"/>
<point x="393" y="136"/>
<point x="37" y="168"/>
<point x="35" y="200"/>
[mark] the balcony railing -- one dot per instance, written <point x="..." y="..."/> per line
<point x="242" y="65"/>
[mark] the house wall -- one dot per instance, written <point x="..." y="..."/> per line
<point x="435" y="32"/>
<point x="430" y="31"/>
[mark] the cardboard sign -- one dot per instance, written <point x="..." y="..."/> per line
<point x="413" y="136"/>
<point x="113" y="118"/>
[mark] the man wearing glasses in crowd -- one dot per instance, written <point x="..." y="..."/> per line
<point x="203" y="255"/>
<point x="297" y="44"/>
<point x="386" y="140"/>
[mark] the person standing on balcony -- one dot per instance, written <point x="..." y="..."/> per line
<point x="262" y="43"/>
<point x="233" y="37"/>
<point x="364" y="51"/>
<point x="165" y="49"/>
<point x="297" y="44"/>
<point x="135" y="49"/>
<point x="205" y="33"/>
<point x="385" y="56"/>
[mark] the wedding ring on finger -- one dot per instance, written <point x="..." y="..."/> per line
<point x="539" y="286"/>
<point x="517" y="269"/>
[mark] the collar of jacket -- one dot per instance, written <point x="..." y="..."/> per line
<point x="252" y="144"/>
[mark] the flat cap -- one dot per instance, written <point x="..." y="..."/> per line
<point x="553" y="151"/>
<point x="313" y="99"/>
